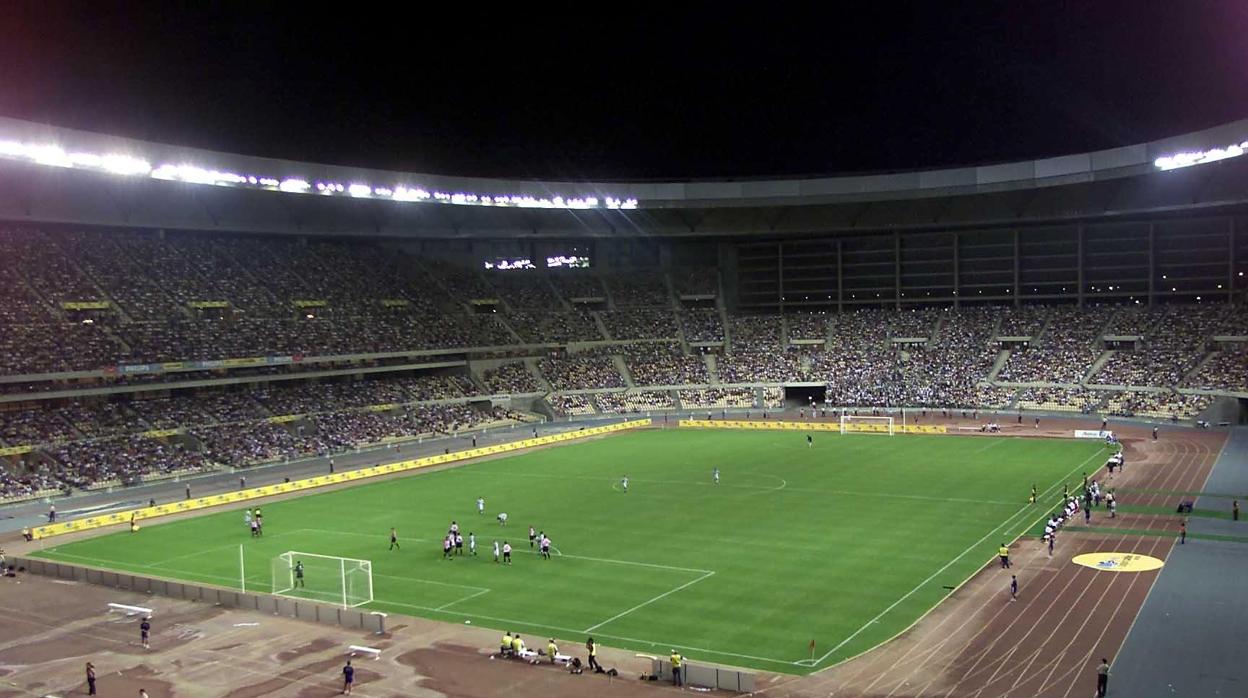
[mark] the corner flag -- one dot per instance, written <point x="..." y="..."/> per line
<point x="812" y="649"/>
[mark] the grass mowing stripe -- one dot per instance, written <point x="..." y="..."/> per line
<point x="1052" y="487"/>
<point x="848" y="535"/>
<point x="783" y="485"/>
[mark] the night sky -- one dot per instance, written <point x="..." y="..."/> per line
<point x="645" y="92"/>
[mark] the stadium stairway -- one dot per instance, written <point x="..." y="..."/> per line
<point x="1209" y="356"/>
<point x="623" y="369"/>
<point x="998" y="364"/>
<point x="602" y="326"/>
<point x="712" y="368"/>
<point x="1096" y="365"/>
<point x="530" y="364"/>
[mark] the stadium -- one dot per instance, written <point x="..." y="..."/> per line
<point x="790" y="436"/>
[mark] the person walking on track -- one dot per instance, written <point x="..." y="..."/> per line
<point x="1102" y="678"/>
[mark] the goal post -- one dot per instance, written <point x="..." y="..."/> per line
<point x="866" y="424"/>
<point x="341" y="581"/>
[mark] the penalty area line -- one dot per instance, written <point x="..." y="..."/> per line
<point x="643" y="604"/>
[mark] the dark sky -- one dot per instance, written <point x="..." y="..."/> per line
<point x="643" y="92"/>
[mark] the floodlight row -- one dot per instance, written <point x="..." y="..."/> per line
<point x="51" y="155"/>
<point x="1200" y="157"/>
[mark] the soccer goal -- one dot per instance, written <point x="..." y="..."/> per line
<point x="866" y="424"/>
<point x="327" y="578"/>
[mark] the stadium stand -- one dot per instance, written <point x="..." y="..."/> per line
<point x="1225" y="370"/>
<point x="702" y="325"/>
<point x="756" y="332"/>
<point x="581" y="372"/>
<point x="639" y="288"/>
<point x="717" y="398"/>
<point x="510" y="378"/>
<point x="1064" y="352"/>
<point x="571" y="405"/>
<point x="663" y="364"/>
<point x="640" y="324"/>
<point x="1061" y="399"/>
<point x="91" y="301"/>
<point x="554" y="327"/>
<point x="635" y="401"/>
<point x="808" y="326"/>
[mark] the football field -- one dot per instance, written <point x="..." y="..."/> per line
<point x="846" y="543"/>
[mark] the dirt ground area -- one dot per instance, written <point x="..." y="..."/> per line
<point x="976" y="643"/>
<point x="53" y="628"/>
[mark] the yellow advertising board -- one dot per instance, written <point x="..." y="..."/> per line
<point x="246" y="361"/>
<point x="86" y="305"/>
<point x="310" y="303"/>
<point x="122" y="517"/>
<point x="209" y="304"/>
<point x="162" y="433"/>
<point x="282" y="418"/>
<point x="15" y="450"/>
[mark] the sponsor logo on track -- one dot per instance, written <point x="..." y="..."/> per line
<point x="1119" y="562"/>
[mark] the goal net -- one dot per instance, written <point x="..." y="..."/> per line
<point x="327" y="578"/>
<point x="866" y="424"/>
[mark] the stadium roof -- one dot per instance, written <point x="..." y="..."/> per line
<point x="61" y="175"/>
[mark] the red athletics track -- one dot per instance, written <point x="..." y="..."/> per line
<point x="1048" y="643"/>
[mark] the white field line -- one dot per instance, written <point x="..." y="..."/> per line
<point x="920" y="585"/>
<point x="783" y="486"/>
<point x="470" y="596"/>
<point x="650" y="601"/>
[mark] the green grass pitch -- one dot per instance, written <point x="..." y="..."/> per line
<point x="845" y="543"/>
